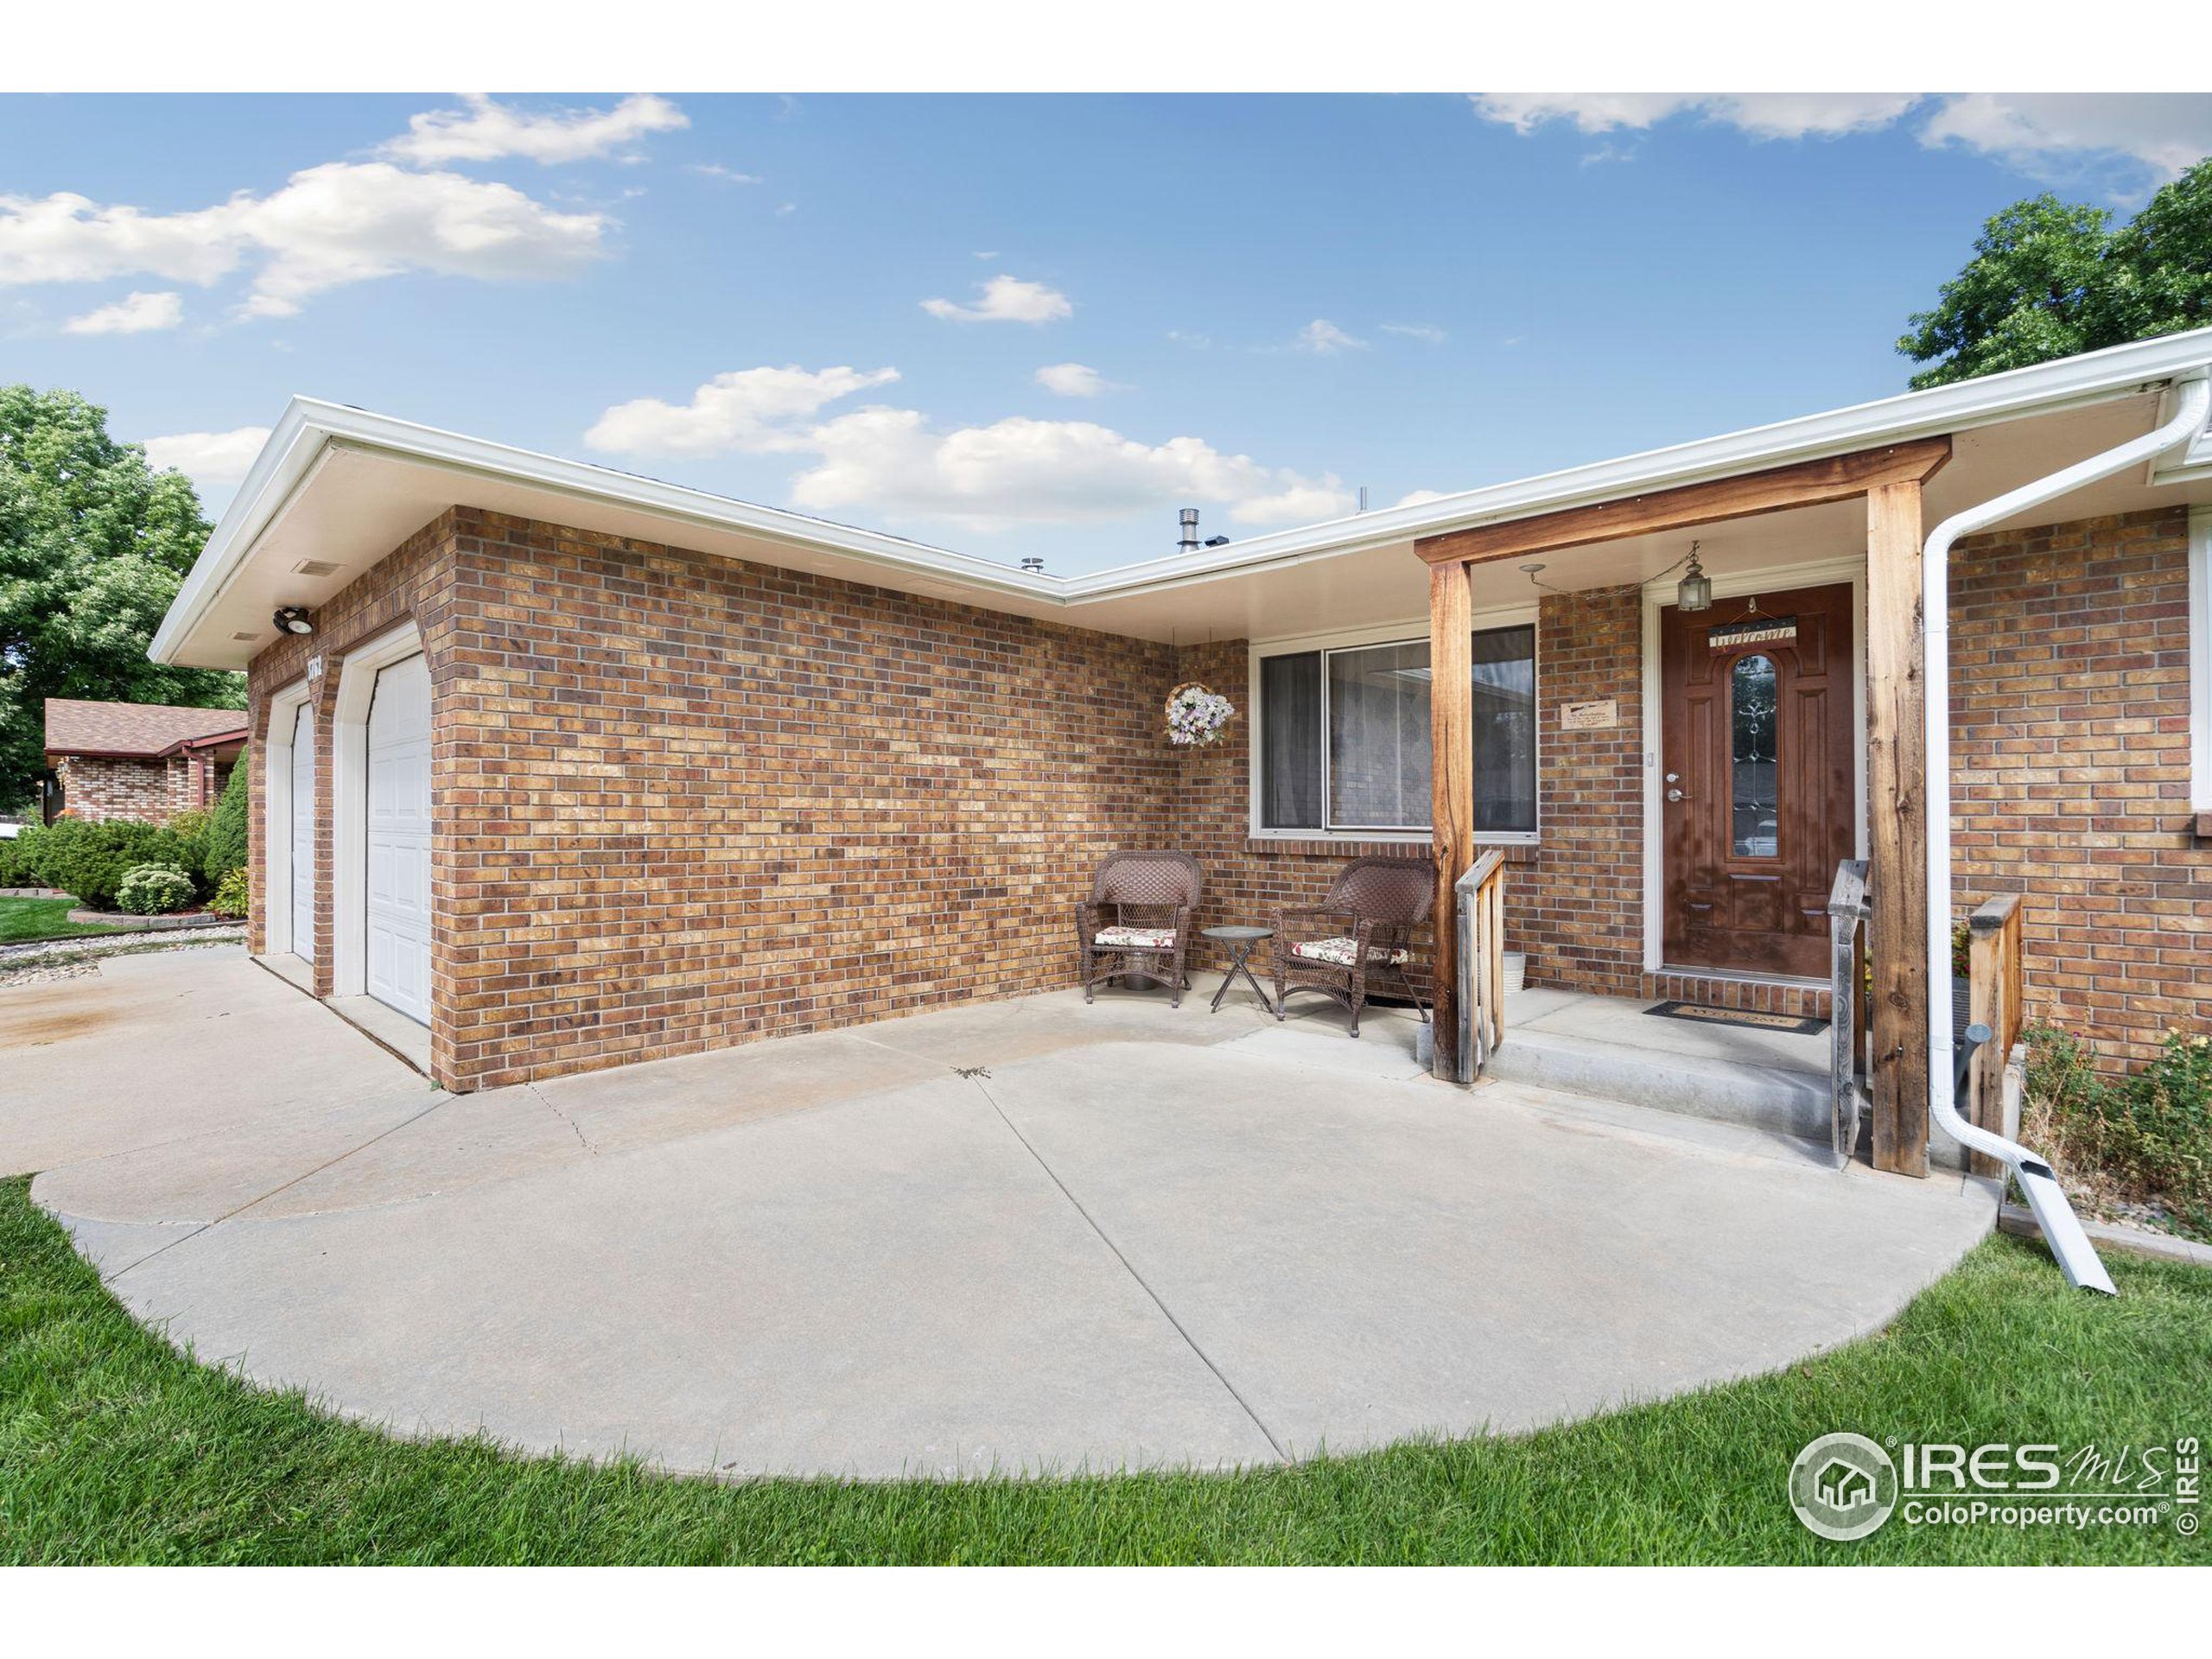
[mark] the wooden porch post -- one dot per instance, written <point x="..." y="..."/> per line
<point x="1452" y="782"/>
<point x="1897" y="878"/>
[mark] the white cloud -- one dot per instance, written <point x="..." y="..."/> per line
<point x="1323" y="338"/>
<point x="785" y="209"/>
<point x="1763" y="115"/>
<point x="2039" y="133"/>
<point x="208" y="459"/>
<point x="329" y="226"/>
<point x="749" y="409"/>
<point x="1419" y="498"/>
<point x="1195" y="342"/>
<point x="890" y="461"/>
<point x="727" y="175"/>
<point x="1075" y="380"/>
<point x="1027" y="472"/>
<point x="134" y="313"/>
<point x="485" y="130"/>
<point x="1007" y="299"/>
<point x="2043" y="134"/>
<point x="1427" y="333"/>
<point x="987" y="253"/>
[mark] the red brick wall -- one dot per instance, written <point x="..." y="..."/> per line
<point x="694" y="801"/>
<point x="684" y="801"/>
<point x="2069" y="713"/>
<point x="96" y="786"/>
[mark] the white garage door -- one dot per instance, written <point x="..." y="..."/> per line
<point x="303" y="833"/>
<point x="400" y="839"/>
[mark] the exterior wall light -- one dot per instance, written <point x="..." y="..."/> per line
<point x="292" y="619"/>
<point x="1694" y="591"/>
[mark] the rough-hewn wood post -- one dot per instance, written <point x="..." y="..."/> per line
<point x="1452" y="782"/>
<point x="1896" y="775"/>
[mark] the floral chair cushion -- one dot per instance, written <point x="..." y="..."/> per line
<point x="1341" y="952"/>
<point x="1135" y="939"/>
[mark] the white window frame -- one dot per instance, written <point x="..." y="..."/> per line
<point x="1414" y="631"/>
<point x="2200" y="658"/>
<point x="1658" y="593"/>
<point x="277" y="810"/>
<point x="349" y="803"/>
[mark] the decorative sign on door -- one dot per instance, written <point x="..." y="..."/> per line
<point x="1752" y="631"/>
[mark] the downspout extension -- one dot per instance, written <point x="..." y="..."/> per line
<point x="2076" y="1257"/>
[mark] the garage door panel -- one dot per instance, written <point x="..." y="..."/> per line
<point x="400" y="839"/>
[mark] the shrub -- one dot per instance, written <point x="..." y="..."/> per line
<point x="153" y="890"/>
<point x="190" y="830"/>
<point x="2145" y="1138"/>
<point x="226" y="827"/>
<point x="15" y="865"/>
<point x="90" y="860"/>
<point x="233" y="895"/>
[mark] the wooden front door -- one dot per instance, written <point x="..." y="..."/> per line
<point x="1756" y="776"/>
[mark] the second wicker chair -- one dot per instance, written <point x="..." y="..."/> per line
<point x="1359" y="940"/>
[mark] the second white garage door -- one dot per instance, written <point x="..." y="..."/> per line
<point x="400" y="839"/>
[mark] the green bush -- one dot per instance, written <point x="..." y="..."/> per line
<point x="90" y="860"/>
<point x="2148" y="1136"/>
<point x="153" y="890"/>
<point x="233" y="895"/>
<point x="226" y="827"/>
<point x="190" y="830"/>
<point x="15" y="865"/>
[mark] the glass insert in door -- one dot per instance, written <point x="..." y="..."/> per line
<point x="1756" y="826"/>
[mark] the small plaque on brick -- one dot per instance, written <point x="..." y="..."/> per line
<point x="1590" y="716"/>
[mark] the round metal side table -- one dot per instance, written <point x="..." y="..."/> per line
<point x="1241" y="941"/>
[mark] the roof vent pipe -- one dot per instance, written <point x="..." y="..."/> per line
<point x="1190" y="542"/>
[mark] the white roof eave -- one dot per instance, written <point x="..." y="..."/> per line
<point x="308" y="427"/>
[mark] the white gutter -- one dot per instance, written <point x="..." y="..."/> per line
<point x="2064" y="1233"/>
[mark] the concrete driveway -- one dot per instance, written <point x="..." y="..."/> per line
<point x="1028" y="1235"/>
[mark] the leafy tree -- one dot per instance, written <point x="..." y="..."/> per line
<point x="93" y="545"/>
<point x="2050" y="279"/>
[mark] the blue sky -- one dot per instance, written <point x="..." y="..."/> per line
<point x="1018" y="325"/>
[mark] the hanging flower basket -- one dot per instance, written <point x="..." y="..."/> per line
<point x="1196" y="716"/>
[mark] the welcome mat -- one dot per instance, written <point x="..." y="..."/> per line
<point x="1797" y="1025"/>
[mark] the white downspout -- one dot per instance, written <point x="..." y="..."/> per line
<point x="1936" y="558"/>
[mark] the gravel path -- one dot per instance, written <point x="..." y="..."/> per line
<point x="49" y="960"/>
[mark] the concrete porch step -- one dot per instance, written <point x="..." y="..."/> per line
<point x="1610" y="1048"/>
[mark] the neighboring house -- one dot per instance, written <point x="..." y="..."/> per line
<point x="142" y="760"/>
<point x="578" y="768"/>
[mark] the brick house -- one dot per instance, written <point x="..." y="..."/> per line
<point x="578" y="768"/>
<point x="143" y="760"/>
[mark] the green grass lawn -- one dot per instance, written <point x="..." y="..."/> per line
<point x="22" y="920"/>
<point x="115" y="1448"/>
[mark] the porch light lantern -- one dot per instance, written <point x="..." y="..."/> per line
<point x="1694" y="591"/>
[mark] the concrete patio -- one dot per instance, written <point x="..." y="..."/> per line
<point x="1025" y="1236"/>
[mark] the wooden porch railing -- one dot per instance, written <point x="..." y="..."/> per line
<point x="1850" y="1021"/>
<point x="1479" y="918"/>
<point x="1994" y="998"/>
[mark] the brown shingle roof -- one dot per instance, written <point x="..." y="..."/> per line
<point x="75" y="727"/>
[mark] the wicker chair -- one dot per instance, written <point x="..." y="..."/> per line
<point x="1359" y="941"/>
<point x="1137" y="922"/>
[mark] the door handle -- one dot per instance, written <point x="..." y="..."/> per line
<point x="1676" y="795"/>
